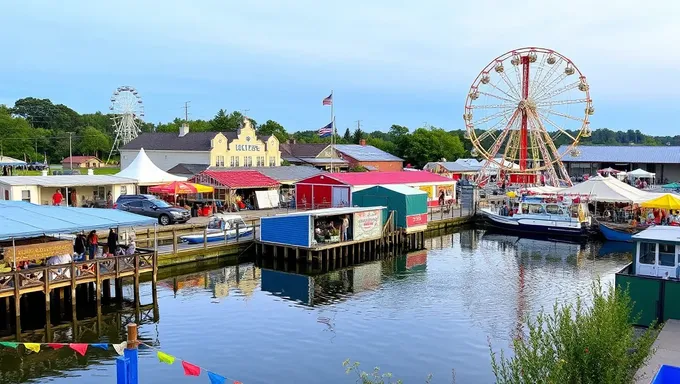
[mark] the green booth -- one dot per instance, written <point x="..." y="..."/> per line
<point x="409" y="204"/>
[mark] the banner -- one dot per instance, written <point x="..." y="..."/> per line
<point x="39" y="251"/>
<point x="367" y="225"/>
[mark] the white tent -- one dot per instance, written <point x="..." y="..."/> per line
<point x="607" y="189"/>
<point x="10" y="161"/>
<point x="641" y="173"/>
<point x="146" y="172"/>
<point x="544" y="190"/>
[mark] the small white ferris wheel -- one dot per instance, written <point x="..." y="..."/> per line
<point x="127" y="110"/>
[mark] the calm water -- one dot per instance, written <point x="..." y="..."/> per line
<point x="428" y="312"/>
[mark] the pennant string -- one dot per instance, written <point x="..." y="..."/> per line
<point x="192" y="369"/>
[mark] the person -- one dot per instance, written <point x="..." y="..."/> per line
<point x="79" y="245"/>
<point x="57" y="197"/>
<point x="441" y="198"/>
<point x="73" y="198"/>
<point x="92" y="244"/>
<point x="109" y="200"/>
<point x="112" y="241"/>
<point x="345" y="226"/>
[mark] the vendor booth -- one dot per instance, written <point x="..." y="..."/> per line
<point x="409" y="204"/>
<point x="239" y="189"/>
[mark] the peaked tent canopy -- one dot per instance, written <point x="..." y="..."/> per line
<point x="10" y="161"/>
<point x="19" y="219"/>
<point x="607" y="189"/>
<point x="146" y="172"/>
<point x="665" y="201"/>
<point x="642" y="173"/>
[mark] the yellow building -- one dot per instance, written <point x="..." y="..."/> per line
<point x="243" y="148"/>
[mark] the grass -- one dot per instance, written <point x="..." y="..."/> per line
<point x="83" y="171"/>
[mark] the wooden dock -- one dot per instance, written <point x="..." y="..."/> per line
<point x="666" y="351"/>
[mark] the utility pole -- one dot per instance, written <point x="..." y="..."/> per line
<point x="70" y="150"/>
<point x="186" y="112"/>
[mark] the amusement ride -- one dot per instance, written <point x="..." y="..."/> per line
<point x="520" y="108"/>
<point x="127" y="111"/>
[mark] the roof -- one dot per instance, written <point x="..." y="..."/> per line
<point x="607" y="189"/>
<point x="398" y="188"/>
<point x="623" y="154"/>
<point x="6" y="160"/>
<point x="241" y="179"/>
<point x="146" y="172"/>
<point x="329" y="211"/>
<point x="66" y="180"/>
<point x="171" y="141"/>
<point x="19" y="219"/>
<point x="301" y="150"/>
<point x="80" y="159"/>
<point x="188" y="169"/>
<point x="659" y="233"/>
<point x="365" y="152"/>
<point x="378" y="178"/>
<point x="451" y="166"/>
<point x="641" y="173"/>
<point x="318" y="160"/>
<point x="291" y="173"/>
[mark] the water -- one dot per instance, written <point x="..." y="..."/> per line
<point x="431" y="313"/>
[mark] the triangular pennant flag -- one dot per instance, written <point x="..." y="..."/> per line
<point x="237" y="382"/>
<point x="120" y="348"/>
<point x="54" y="345"/>
<point x="103" y="346"/>
<point x="80" y="348"/>
<point x="35" y="347"/>
<point x="190" y="369"/>
<point x="9" y="344"/>
<point x="216" y="379"/>
<point x="165" y="358"/>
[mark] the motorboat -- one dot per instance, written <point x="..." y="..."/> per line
<point x="617" y="232"/>
<point x="221" y="227"/>
<point x="544" y="216"/>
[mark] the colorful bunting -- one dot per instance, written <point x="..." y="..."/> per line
<point x="216" y="379"/>
<point x="54" y="345"/>
<point x="120" y="348"/>
<point x="104" y="346"/>
<point x="9" y="344"/>
<point x="35" y="347"/>
<point x="165" y="358"/>
<point x="79" y="347"/>
<point x="190" y="369"/>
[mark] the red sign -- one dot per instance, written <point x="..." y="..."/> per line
<point x="416" y="220"/>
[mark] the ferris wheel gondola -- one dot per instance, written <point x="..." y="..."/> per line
<point x="521" y="107"/>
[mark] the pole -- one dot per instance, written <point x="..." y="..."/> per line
<point x="186" y="112"/>
<point x="14" y="255"/>
<point x="70" y="149"/>
<point x="332" y="129"/>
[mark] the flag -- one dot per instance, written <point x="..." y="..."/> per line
<point x="9" y="344"/>
<point x="328" y="100"/>
<point x="79" y="347"/>
<point x="326" y="130"/>
<point x="120" y="348"/>
<point x="165" y="358"/>
<point x="216" y="379"/>
<point x="103" y="346"/>
<point x="190" y="369"/>
<point x="55" y="345"/>
<point x="35" y="347"/>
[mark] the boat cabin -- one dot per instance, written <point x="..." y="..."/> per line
<point x="657" y="251"/>
<point x="553" y="208"/>
<point x="224" y="222"/>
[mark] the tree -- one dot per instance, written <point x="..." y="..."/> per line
<point x="221" y="121"/>
<point x="347" y="137"/>
<point x="432" y="144"/>
<point x="93" y="142"/>
<point x="271" y="127"/>
<point x="358" y="135"/>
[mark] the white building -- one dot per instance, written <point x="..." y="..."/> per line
<point x="89" y="188"/>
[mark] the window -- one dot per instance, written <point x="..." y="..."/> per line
<point x="272" y="161"/>
<point x="134" y="204"/>
<point x="237" y="164"/>
<point x="219" y="161"/>
<point x="647" y="253"/>
<point x="26" y="195"/>
<point x="123" y="189"/>
<point x="260" y="161"/>
<point x="231" y="161"/>
<point x="234" y="161"/>
<point x="536" y="208"/>
<point x="247" y="161"/>
<point x="552" y="209"/>
<point x="667" y="255"/>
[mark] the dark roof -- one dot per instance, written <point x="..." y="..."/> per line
<point x="301" y="150"/>
<point x="170" y="141"/>
<point x="188" y="169"/>
<point x="623" y="154"/>
<point x="365" y="152"/>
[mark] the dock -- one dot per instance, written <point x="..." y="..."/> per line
<point x="667" y="351"/>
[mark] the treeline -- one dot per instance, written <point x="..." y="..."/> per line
<point x="35" y="128"/>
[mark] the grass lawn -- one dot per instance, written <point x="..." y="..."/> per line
<point x="97" y="171"/>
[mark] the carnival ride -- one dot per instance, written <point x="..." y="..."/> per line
<point x="127" y="110"/>
<point x="519" y="108"/>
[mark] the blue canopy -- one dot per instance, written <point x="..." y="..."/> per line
<point x="20" y="219"/>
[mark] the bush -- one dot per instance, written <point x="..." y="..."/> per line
<point x="579" y="344"/>
<point x="374" y="377"/>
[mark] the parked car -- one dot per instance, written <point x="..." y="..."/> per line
<point x="126" y="198"/>
<point x="37" y="166"/>
<point x="150" y="206"/>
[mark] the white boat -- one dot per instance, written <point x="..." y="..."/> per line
<point x="221" y="227"/>
<point x="536" y="215"/>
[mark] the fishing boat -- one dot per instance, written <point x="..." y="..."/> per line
<point x="545" y="216"/>
<point x="614" y="232"/>
<point x="221" y="227"/>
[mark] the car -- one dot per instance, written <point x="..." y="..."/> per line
<point x="37" y="166"/>
<point x="125" y="198"/>
<point x="153" y="207"/>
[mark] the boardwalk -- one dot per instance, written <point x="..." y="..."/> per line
<point x="667" y="346"/>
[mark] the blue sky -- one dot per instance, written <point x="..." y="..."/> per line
<point x="389" y="62"/>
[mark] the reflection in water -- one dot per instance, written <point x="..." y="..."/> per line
<point x="426" y="312"/>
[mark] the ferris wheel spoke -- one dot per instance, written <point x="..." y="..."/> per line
<point x="498" y="97"/>
<point x="560" y="102"/>
<point x="501" y="138"/>
<point x="540" y="117"/>
<point x="556" y="154"/>
<point x="558" y="91"/>
<point x="540" y="94"/>
<point x="510" y="85"/>
<point x="490" y="117"/>
<point x="546" y="79"/>
<point x="494" y="106"/>
<point x="504" y="92"/>
<point x="490" y="131"/>
<point x="537" y="77"/>
<point x="556" y="113"/>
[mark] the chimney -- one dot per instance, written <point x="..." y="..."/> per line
<point x="362" y="142"/>
<point x="183" y="130"/>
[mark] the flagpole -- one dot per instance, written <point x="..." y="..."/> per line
<point x="332" y="129"/>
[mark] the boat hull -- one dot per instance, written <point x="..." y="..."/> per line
<point x="534" y="227"/>
<point x="216" y="236"/>
<point x="612" y="234"/>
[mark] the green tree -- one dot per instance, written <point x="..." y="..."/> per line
<point x="358" y="135"/>
<point x="17" y="138"/>
<point x="271" y="127"/>
<point x="221" y="121"/>
<point x="432" y="144"/>
<point x="382" y="144"/>
<point x="93" y="142"/>
<point x="347" y="137"/>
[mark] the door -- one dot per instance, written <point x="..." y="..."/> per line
<point x="667" y="260"/>
<point x="134" y="206"/>
<point x="340" y="197"/>
<point x="646" y="253"/>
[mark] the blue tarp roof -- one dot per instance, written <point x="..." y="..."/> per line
<point x="19" y="219"/>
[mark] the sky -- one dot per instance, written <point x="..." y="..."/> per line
<point x="387" y="61"/>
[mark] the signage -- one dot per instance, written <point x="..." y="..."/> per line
<point x="248" y="147"/>
<point x="416" y="220"/>
<point x="39" y="251"/>
<point x="367" y="225"/>
<point x="428" y="189"/>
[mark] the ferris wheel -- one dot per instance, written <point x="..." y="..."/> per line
<point x="521" y="107"/>
<point x="127" y="110"/>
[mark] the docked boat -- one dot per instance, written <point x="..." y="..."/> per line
<point x="221" y="227"/>
<point x="536" y="215"/>
<point x="614" y="232"/>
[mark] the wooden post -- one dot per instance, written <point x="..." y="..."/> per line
<point x="136" y="282"/>
<point x="148" y="236"/>
<point x="48" y="290"/>
<point x="205" y="237"/>
<point x="174" y="241"/>
<point x="237" y="233"/>
<point x="127" y="366"/>
<point x="285" y="253"/>
<point x="297" y="253"/>
<point x="73" y="291"/>
<point x="98" y="284"/>
<point x="309" y="256"/>
<point x="17" y="301"/>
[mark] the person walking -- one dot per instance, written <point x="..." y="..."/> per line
<point x="74" y="198"/>
<point x="92" y="244"/>
<point x="57" y="197"/>
<point x="109" y="200"/>
<point x="112" y="242"/>
<point x="441" y="197"/>
<point x="345" y="225"/>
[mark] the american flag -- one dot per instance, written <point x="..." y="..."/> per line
<point x="326" y="130"/>
<point x="328" y="100"/>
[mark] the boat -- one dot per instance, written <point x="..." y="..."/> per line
<point x="614" y="232"/>
<point x="221" y="227"/>
<point x="544" y="216"/>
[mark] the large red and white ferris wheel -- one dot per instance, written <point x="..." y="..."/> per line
<point x="521" y="107"/>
